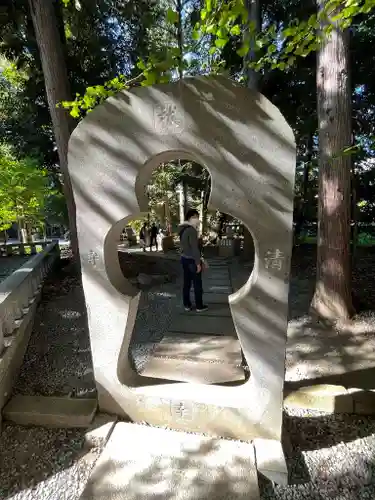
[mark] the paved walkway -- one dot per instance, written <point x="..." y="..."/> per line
<point x="148" y="463"/>
<point x="201" y="347"/>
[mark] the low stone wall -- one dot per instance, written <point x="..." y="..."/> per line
<point x="19" y="296"/>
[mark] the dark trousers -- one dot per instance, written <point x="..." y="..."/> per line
<point x="153" y="241"/>
<point x="191" y="277"/>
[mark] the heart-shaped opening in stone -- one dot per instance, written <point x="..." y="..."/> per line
<point x="170" y="341"/>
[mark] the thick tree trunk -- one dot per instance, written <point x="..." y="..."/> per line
<point x="332" y="299"/>
<point x="254" y="16"/>
<point x="252" y="82"/>
<point x="301" y="219"/>
<point x="182" y="201"/>
<point x="355" y="219"/>
<point x="57" y="89"/>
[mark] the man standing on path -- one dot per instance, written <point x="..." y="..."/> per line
<point x="142" y="237"/>
<point x="191" y="260"/>
<point x="153" y="236"/>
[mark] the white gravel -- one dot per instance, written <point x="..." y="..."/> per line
<point x="43" y="464"/>
<point x="328" y="456"/>
<point x="155" y="314"/>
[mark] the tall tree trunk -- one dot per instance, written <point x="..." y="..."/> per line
<point x="252" y="82"/>
<point x="57" y="89"/>
<point x="185" y="196"/>
<point x="205" y="198"/>
<point x="254" y="17"/>
<point x="180" y="38"/>
<point x="301" y="219"/>
<point x="332" y="298"/>
<point x="355" y="219"/>
<point x="181" y="201"/>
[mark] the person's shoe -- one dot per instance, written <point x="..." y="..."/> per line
<point x="201" y="309"/>
<point x="188" y="309"/>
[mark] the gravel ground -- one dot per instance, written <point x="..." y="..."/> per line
<point x="328" y="456"/>
<point x="58" y="359"/>
<point x="154" y="317"/>
<point x="10" y="264"/>
<point x="43" y="464"/>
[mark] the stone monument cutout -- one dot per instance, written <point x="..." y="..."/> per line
<point x="249" y="150"/>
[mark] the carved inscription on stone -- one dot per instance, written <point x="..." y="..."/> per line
<point x="274" y="259"/>
<point x="93" y="258"/>
<point x="182" y="410"/>
<point x="168" y="118"/>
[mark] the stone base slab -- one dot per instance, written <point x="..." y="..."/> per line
<point x="197" y="359"/>
<point x="150" y="463"/>
<point x="99" y="431"/>
<point x="50" y="411"/>
<point x="331" y="398"/>
<point x="199" y="323"/>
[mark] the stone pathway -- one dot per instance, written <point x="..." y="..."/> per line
<point x="201" y="347"/>
<point x="173" y="465"/>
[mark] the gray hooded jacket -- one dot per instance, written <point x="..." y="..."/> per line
<point x="189" y="242"/>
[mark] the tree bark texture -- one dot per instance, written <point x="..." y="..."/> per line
<point x="301" y="216"/>
<point x="57" y="89"/>
<point x="182" y="201"/>
<point x="254" y="17"/>
<point x="332" y="299"/>
<point x="252" y="82"/>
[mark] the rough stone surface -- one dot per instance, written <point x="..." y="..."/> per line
<point x="270" y="460"/>
<point x="50" y="411"/>
<point x="196" y="358"/>
<point x="197" y="323"/>
<point x="173" y="465"/>
<point x="100" y="430"/>
<point x="249" y="150"/>
<point x="330" y="398"/>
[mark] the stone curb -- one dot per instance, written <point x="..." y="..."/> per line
<point x="48" y="411"/>
<point x="331" y="398"/>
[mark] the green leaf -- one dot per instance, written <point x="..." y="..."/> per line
<point x="195" y="35"/>
<point x="289" y="48"/>
<point x="74" y="113"/>
<point x="243" y="51"/>
<point x="235" y="30"/>
<point x="272" y="48"/>
<point x="172" y="16"/>
<point x="221" y="42"/>
<point x="151" y="78"/>
<point x="203" y="14"/>
<point x="212" y="50"/>
<point x="290" y="31"/>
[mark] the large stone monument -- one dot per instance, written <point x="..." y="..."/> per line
<point x="249" y="150"/>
